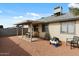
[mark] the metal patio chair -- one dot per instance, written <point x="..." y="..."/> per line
<point x="74" y="42"/>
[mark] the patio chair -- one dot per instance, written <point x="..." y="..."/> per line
<point x="28" y="34"/>
<point x="74" y="42"/>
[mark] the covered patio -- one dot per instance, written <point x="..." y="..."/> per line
<point x="33" y="29"/>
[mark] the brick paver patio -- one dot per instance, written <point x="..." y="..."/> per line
<point x="15" y="46"/>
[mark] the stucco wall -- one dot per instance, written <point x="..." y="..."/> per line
<point x="54" y="30"/>
<point x="41" y="34"/>
<point x="77" y="28"/>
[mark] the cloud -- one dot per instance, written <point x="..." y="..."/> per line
<point x="11" y="20"/>
<point x="73" y="5"/>
<point x="15" y="17"/>
<point x="29" y="16"/>
<point x="18" y="17"/>
<point x="32" y="14"/>
<point x="1" y="11"/>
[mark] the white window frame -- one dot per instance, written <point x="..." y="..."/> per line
<point x="68" y="27"/>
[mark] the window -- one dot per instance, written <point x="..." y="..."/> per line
<point x="64" y="28"/>
<point x="44" y="27"/>
<point x="68" y="27"/>
<point x="35" y="28"/>
<point x="71" y="27"/>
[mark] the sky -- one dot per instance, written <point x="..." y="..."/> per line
<point x="11" y="13"/>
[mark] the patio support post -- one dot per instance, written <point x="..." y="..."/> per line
<point x="17" y="29"/>
<point x="31" y="32"/>
<point x="22" y="31"/>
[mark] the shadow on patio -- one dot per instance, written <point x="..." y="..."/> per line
<point x="10" y="48"/>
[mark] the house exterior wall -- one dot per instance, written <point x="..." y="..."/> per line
<point x="77" y="28"/>
<point x="41" y="34"/>
<point x="55" y="30"/>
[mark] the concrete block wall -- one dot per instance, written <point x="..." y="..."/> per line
<point x="11" y="31"/>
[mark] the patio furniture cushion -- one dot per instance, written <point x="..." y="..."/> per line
<point x="55" y="41"/>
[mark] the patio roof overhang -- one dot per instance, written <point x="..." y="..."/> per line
<point x="63" y="20"/>
<point x="30" y="22"/>
<point x="24" y="22"/>
<point x="43" y="21"/>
